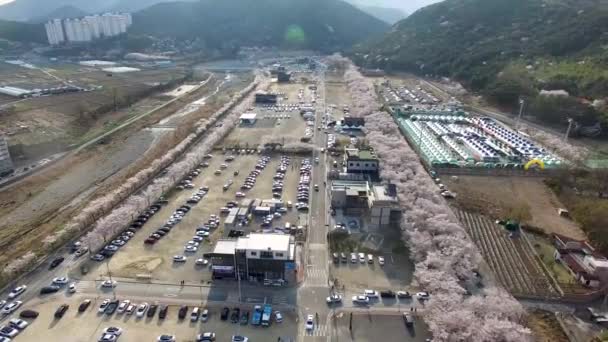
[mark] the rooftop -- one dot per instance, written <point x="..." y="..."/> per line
<point x="225" y="247"/>
<point x="274" y="242"/>
<point x="248" y="116"/>
<point x="381" y="194"/>
<point x="360" y="154"/>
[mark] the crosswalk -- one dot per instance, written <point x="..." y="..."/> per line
<point x="316" y="275"/>
<point x="319" y="330"/>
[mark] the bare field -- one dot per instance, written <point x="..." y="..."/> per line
<point x="88" y="326"/>
<point x="281" y="127"/>
<point x="136" y="258"/>
<point x="38" y="205"/>
<point x="494" y="196"/>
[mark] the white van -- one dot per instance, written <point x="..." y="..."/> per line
<point x="287" y="226"/>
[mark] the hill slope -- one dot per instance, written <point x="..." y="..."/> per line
<point x="318" y="24"/>
<point x="22" y="32"/>
<point x="387" y="14"/>
<point x="63" y="12"/>
<point x="507" y="48"/>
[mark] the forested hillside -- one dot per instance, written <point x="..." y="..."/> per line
<point x="505" y="48"/>
<point x="229" y="24"/>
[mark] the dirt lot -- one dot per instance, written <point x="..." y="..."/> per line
<point x="378" y="327"/>
<point x="494" y="196"/>
<point x="282" y="127"/>
<point x="39" y="204"/>
<point x="136" y="258"/>
<point x="545" y="327"/>
<point x="40" y="126"/>
<point x="88" y="326"/>
<point x="396" y="274"/>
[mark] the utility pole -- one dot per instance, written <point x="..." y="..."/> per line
<point x="521" y="111"/>
<point x="570" y="122"/>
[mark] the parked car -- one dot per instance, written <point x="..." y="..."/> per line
<point x="103" y="306"/>
<point x="18" y="323"/>
<point x="141" y="310"/>
<point x="194" y="314"/>
<point x="224" y="315"/>
<point x="8" y="331"/>
<point x="60" y="280"/>
<point x="84" y="305"/>
<point x="111" y="308"/>
<point x="152" y="310"/>
<point x="11" y="307"/>
<point x="109" y="283"/>
<point x="236" y="313"/>
<point x="183" y="311"/>
<point x="123" y="306"/>
<point x="162" y="312"/>
<point x="278" y="317"/>
<point x="403" y="294"/>
<point x="360" y="299"/>
<point x="56" y="262"/>
<point x="333" y="299"/>
<point x="166" y="338"/>
<point x="179" y="258"/>
<point x="370" y="293"/>
<point x="61" y="310"/>
<point x="205" y="315"/>
<point x="381" y="260"/>
<point x="387" y="294"/>
<point x="113" y="330"/>
<point x="17" y="291"/>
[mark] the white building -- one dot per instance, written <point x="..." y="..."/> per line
<point x="6" y="163"/>
<point x="54" y="32"/>
<point x="87" y="29"/>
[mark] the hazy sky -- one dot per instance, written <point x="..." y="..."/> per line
<point x="408" y="6"/>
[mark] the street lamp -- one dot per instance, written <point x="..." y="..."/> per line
<point x="570" y="122"/>
<point x="521" y="111"/>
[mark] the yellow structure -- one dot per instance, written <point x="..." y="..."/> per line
<point x="532" y="162"/>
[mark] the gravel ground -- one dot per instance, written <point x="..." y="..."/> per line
<point x="385" y="328"/>
<point x="88" y="326"/>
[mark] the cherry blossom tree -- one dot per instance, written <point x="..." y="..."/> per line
<point x="444" y="255"/>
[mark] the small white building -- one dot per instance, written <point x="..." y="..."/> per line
<point x="248" y="118"/>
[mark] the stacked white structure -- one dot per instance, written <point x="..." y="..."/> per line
<point x="6" y="163"/>
<point x="54" y="32"/>
<point x="88" y="28"/>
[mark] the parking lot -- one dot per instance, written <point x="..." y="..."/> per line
<point x="368" y="327"/>
<point x="280" y="124"/>
<point x="136" y="259"/>
<point x="89" y="325"/>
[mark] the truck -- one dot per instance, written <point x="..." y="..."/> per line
<point x="257" y="315"/>
<point x="266" y="315"/>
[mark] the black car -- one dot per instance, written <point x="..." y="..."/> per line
<point x="61" y="310"/>
<point x="387" y="294"/>
<point x="224" y="315"/>
<point x="56" y="262"/>
<point x="236" y="314"/>
<point x="111" y="307"/>
<point x="49" y="289"/>
<point x="28" y="314"/>
<point x="162" y="312"/>
<point x="84" y="305"/>
<point x="183" y="311"/>
<point x="152" y="310"/>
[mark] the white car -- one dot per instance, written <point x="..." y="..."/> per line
<point x="130" y="309"/>
<point x="60" y="280"/>
<point x="18" y="323"/>
<point x="278" y="317"/>
<point x="9" y="308"/>
<point x="371" y="293"/>
<point x="179" y="258"/>
<point x="240" y="194"/>
<point x="190" y="249"/>
<point x="203" y="262"/>
<point x="113" y="330"/>
<point x="197" y="238"/>
<point x="423" y="295"/>
<point x="166" y="338"/>
<point x="123" y="306"/>
<point x="9" y="332"/>
<point x="72" y="288"/>
<point x="335" y="298"/>
<point x="17" y="291"/>
<point x="193" y="243"/>
<point x="205" y="315"/>
<point x="103" y="305"/>
<point x="108" y="338"/>
<point x="362" y="258"/>
<point x="360" y="299"/>
<point x="310" y="322"/>
<point x="141" y="309"/>
<point x="202" y="233"/>
<point x="381" y="260"/>
<point x="108" y="283"/>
